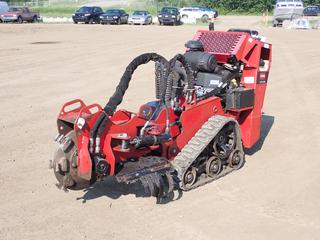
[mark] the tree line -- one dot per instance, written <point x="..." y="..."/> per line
<point x="236" y="6"/>
<point x="223" y="6"/>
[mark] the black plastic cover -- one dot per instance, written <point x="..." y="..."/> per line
<point x="240" y="98"/>
<point x="194" y="45"/>
<point x="208" y="80"/>
<point x="201" y="61"/>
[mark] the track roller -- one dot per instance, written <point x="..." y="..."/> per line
<point x="213" y="166"/>
<point x="236" y="159"/>
<point x="189" y="177"/>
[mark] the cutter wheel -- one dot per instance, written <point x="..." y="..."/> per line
<point x="64" y="164"/>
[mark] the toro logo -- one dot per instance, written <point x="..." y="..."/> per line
<point x="262" y="77"/>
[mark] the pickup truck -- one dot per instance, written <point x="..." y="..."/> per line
<point x="19" y="15"/>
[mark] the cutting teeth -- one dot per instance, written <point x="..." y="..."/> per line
<point x="63" y="164"/>
<point x="66" y="144"/>
<point x="58" y="138"/>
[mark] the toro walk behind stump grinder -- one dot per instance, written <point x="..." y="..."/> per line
<point x="208" y="107"/>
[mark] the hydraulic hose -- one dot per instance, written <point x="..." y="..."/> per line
<point x="172" y="80"/>
<point x="117" y="97"/>
<point x="177" y="84"/>
<point x="172" y="77"/>
<point x="187" y="67"/>
<point x="93" y="131"/>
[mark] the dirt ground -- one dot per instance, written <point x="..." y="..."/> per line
<point x="274" y="196"/>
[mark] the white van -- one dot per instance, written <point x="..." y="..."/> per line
<point x="287" y="10"/>
<point x="4" y="6"/>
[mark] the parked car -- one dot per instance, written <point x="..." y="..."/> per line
<point x="117" y="16"/>
<point x="195" y="12"/>
<point x="140" y="17"/>
<point x="207" y="9"/>
<point x="87" y="14"/>
<point x="169" y="15"/>
<point x="20" y="15"/>
<point x="311" y="11"/>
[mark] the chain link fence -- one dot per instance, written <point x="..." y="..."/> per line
<point x="64" y="8"/>
<point x="46" y="3"/>
<point x="155" y="4"/>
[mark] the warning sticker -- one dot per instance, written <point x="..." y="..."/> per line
<point x="248" y="80"/>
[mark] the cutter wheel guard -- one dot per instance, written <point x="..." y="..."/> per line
<point x="207" y="109"/>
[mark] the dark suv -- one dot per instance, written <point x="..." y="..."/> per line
<point x="311" y="11"/>
<point x="169" y="15"/>
<point x="117" y="16"/>
<point x="87" y="15"/>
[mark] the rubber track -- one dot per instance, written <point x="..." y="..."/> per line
<point x="184" y="160"/>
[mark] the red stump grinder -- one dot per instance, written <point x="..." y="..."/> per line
<point x="208" y="108"/>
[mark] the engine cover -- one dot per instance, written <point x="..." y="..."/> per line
<point x="208" y="80"/>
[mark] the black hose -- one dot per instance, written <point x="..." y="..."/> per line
<point x="93" y="131"/>
<point x="187" y="67"/>
<point x="173" y="79"/>
<point x="117" y="97"/>
<point x="177" y="81"/>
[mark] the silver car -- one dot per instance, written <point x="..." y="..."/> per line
<point x="140" y="17"/>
